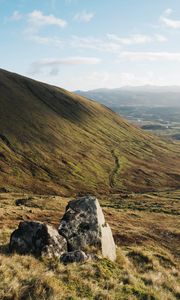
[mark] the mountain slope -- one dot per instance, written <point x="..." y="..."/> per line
<point x="53" y="141"/>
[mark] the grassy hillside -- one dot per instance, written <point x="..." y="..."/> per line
<point x="53" y="141"/>
<point x="146" y="230"/>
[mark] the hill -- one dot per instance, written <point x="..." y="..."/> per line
<point x="136" y="96"/>
<point x="54" y="141"/>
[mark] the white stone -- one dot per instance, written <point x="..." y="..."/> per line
<point x="83" y="225"/>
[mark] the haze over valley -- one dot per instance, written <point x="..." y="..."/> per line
<point x="153" y="108"/>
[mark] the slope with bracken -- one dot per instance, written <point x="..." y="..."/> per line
<point x="53" y="141"/>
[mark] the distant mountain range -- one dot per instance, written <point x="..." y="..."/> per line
<point x="133" y="96"/>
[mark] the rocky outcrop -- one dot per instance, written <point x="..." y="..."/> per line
<point x="83" y="225"/>
<point x="38" y="239"/>
<point x="82" y="234"/>
<point x="74" y="256"/>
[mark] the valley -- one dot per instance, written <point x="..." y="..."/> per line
<point x="152" y="108"/>
<point x="160" y="120"/>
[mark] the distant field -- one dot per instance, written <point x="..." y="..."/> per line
<point x="160" y="120"/>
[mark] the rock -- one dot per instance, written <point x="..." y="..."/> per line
<point x="74" y="256"/>
<point x="108" y="246"/>
<point x="83" y="225"/>
<point x="20" y="202"/>
<point x="3" y="189"/>
<point x="38" y="239"/>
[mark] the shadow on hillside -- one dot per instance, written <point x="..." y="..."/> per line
<point x="60" y="102"/>
<point x="36" y="110"/>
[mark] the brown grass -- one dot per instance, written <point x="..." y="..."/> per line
<point x="147" y="265"/>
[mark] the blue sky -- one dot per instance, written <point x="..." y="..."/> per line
<point x="88" y="44"/>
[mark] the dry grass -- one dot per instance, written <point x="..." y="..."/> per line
<point x="147" y="265"/>
<point x="24" y="277"/>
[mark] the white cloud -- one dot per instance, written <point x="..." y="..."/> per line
<point x="16" y="16"/>
<point x="101" y="79"/>
<point x="167" y="21"/>
<point x="54" y="64"/>
<point x="150" y="56"/>
<point x="94" y="44"/>
<point x="136" y="39"/>
<point x="70" y="61"/>
<point x="133" y="39"/>
<point x="160" y="38"/>
<point x="109" y="79"/>
<point x="106" y="79"/>
<point x="40" y="39"/>
<point x="112" y="44"/>
<point x="175" y="24"/>
<point x="84" y="16"/>
<point x="43" y="40"/>
<point x="37" y="19"/>
<point x="80" y="43"/>
<point x="167" y="12"/>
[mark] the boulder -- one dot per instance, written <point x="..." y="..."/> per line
<point x="73" y="257"/>
<point x="83" y="225"/>
<point x="38" y="239"/>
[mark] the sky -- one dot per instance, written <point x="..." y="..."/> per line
<point x="90" y="44"/>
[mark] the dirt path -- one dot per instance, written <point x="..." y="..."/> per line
<point x="115" y="170"/>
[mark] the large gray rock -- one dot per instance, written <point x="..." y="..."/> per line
<point x="38" y="239"/>
<point x="83" y="225"/>
<point x="74" y="256"/>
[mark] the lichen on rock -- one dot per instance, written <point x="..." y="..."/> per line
<point x="83" y="225"/>
<point x="38" y="239"/>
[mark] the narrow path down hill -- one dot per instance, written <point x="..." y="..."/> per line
<point x="115" y="170"/>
